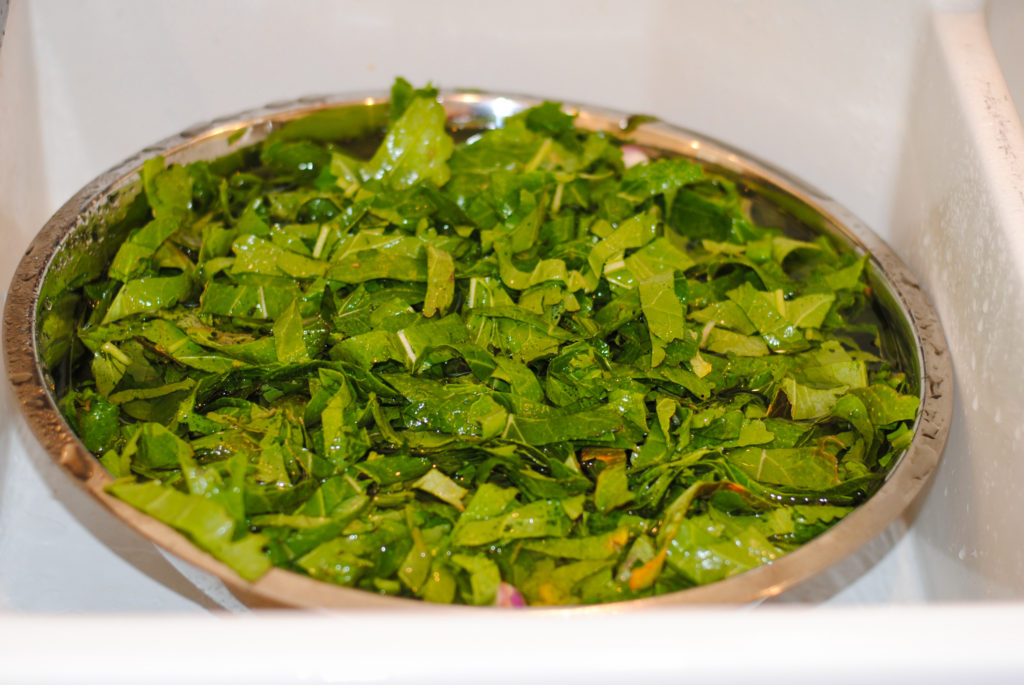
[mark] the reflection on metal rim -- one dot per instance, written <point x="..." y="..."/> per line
<point x="79" y="228"/>
<point x="5" y="5"/>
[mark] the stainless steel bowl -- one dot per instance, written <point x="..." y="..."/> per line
<point x="80" y="238"/>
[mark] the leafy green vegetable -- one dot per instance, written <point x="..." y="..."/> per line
<point x="453" y="371"/>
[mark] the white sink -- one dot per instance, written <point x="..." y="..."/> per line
<point x="900" y="111"/>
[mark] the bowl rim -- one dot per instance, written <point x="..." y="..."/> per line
<point x="905" y="482"/>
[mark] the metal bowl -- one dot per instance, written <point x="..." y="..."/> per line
<point x="79" y="240"/>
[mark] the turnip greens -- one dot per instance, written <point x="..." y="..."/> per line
<point x="466" y="370"/>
